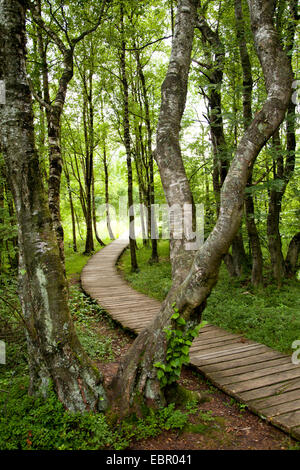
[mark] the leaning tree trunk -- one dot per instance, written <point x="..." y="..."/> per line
<point x="55" y="156"/>
<point x="137" y="376"/>
<point x="55" y="354"/>
<point x="55" y="109"/>
<point x="168" y="152"/>
<point x="237" y="262"/>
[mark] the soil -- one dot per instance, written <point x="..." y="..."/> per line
<point x="220" y="423"/>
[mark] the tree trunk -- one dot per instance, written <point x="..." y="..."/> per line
<point x="257" y="259"/>
<point x="168" y="152"/>
<point x="55" y="354"/>
<point x="154" y="254"/>
<point x="108" y="221"/>
<point x="237" y="261"/>
<point x="126" y="127"/>
<point x="54" y="112"/>
<point x="67" y="175"/>
<point x="89" y="158"/>
<point x="1" y="211"/>
<point x="137" y="375"/>
<point x="99" y="240"/>
<point x="292" y="256"/>
<point x="273" y="219"/>
<point x="283" y="169"/>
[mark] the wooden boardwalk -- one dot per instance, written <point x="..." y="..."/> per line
<point x="265" y="380"/>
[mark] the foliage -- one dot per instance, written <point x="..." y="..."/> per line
<point x="34" y="423"/>
<point x="97" y="346"/>
<point x="28" y="423"/>
<point x="87" y="314"/>
<point x="179" y="341"/>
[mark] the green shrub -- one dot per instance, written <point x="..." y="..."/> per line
<point x="28" y="423"/>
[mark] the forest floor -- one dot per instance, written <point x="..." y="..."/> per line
<point x="216" y="423"/>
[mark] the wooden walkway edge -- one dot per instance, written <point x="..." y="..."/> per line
<point x="254" y="374"/>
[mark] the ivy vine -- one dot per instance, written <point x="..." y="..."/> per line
<point x="179" y="341"/>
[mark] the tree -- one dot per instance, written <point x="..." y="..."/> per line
<point x="54" y="108"/>
<point x="126" y="130"/>
<point x="215" y="58"/>
<point x="137" y="375"/>
<point x="55" y="354"/>
<point x="283" y="166"/>
<point x="257" y="258"/>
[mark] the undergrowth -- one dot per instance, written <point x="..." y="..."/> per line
<point x="28" y="423"/>
<point x="31" y="423"/>
<point x="267" y="315"/>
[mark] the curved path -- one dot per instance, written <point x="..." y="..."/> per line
<point x="265" y="380"/>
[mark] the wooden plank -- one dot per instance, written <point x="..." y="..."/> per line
<point x="288" y="420"/>
<point x="229" y="350"/>
<point x="264" y="379"/>
<point x="279" y="388"/>
<point x="214" y="359"/>
<point x="214" y="333"/>
<point x="224" y="345"/>
<point x="295" y="432"/>
<point x="247" y="363"/>
<point x="277" y="399"/>
<point x="283" y="408"/>
<point x="215" y="340"/>
<point x="261" y="372"/>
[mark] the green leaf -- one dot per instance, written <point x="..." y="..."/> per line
<point x="181" y="321"/>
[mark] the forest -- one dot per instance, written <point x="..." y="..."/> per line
<point x="149" y="199"/>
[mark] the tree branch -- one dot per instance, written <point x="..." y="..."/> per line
<point x="147" y="45"/>
<point x="40" y="22"/>
<point x="91" y="30"/>
<point x="37" y="97"/>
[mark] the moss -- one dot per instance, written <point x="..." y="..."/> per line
<point x="179" y="395"/>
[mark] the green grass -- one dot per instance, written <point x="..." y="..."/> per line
<point x="75" y="261"/>
<point x="268" y="315"/>
<point x="153" y="280"/>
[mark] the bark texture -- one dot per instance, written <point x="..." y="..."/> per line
<point x="292" y="257"/>
<point x="283" y="161"/>
<point x="54" y="350"/>
<point x="237" y="261"/>
<point x="168" y="152"/>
